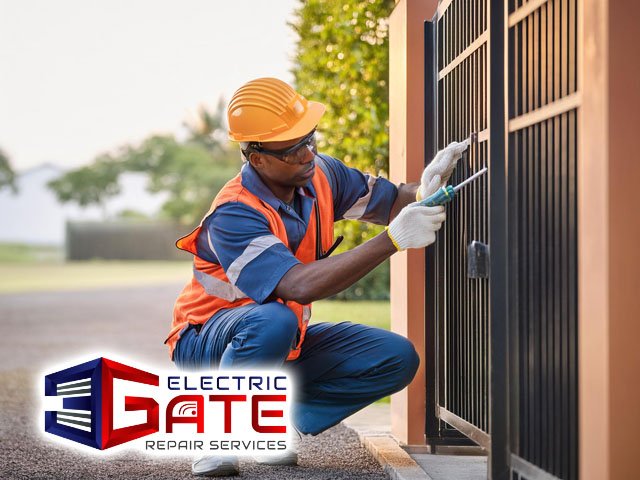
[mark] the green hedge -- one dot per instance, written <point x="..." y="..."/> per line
<point x="373" y="286"/>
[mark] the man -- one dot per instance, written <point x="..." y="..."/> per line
<point x="261" y="257"/>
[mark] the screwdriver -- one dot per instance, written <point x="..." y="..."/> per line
<point x="447" y="193"/>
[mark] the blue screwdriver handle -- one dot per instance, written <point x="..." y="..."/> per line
<point x="442" y="196"/>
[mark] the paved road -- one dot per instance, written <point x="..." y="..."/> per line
<point x="44" y="329"/>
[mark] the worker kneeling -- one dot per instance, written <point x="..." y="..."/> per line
<point x="261" y="257"/>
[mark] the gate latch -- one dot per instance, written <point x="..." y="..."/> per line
<point x="478" y="260"/>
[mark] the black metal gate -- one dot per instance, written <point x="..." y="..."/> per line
<point x="502" y="360"/>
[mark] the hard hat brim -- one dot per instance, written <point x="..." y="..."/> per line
<point x="308" y="122"/>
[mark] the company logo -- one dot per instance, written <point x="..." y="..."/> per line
<point x="103" y="403"/>
<point x="87" y="413"/>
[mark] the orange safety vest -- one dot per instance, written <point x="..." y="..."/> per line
<point x="210" y="289"/>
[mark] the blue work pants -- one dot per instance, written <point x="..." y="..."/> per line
<point x="342" y="367"/>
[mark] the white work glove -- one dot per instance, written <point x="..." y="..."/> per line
<point x="439" y="171"/>
<point x="416" y="226"/>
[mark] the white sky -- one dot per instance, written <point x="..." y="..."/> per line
<point x="80" y="77"/>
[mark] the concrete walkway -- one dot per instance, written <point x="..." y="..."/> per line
<point x="373" y="426"/>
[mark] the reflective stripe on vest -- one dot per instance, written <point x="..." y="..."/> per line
<point x="253" y="250"/>
<point x="218" y="288"/>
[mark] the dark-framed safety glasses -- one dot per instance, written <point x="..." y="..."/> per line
<point x="295" y="153"/>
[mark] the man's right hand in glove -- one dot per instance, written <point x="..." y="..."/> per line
<point x="416" y="226"/>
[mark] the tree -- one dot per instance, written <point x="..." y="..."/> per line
<point x="7" y="175"/>
<point x="188" y="172"/>
<point x="342" y="61"/>
<point x="91" y="185"/>
<point x="191" y="172"/>
<point x="208" y="128"/>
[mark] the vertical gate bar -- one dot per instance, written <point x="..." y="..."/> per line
<point x="514" y="175"/>
<point x="573" y="472"/>
<point x="530" y="266"/>
<point x="514" y="192"/>
<point x="557" y="219"/>
<point x="473" y="219"/>
<point x="443" y="40"/>
<point x="536" y="60"/>
<point x="474" y="20"/>
<point x="464" y="224"/>
<point x="572" y="46"/>
<point x="446" y="315"/>
<point x="557" y="285"/>
<point x="527" y="304"/>
<point x="463" y="24"/>
<point x="565" y="48"/>
<point x="548" y="161"/>
<point x="431" y="344"/>
<point x="543" y="55"/>
<point x="458" y="209"/>
<point x="549" y="423"/>
<point x="470" y="214"/>
<point x="565" y="321"/>
<point x="535" y="246"/>
<point x="456" y="255"/>
<point x="551" y="95"/>
<point x="531" y="296"/>
<point x="538" y="254"/>
<point x="549" y="43"/>
<point x="474" y="209"/>
<point x="557" y="341"/>
<point x="485" y="156"/>
<point x="557" y="90"/>
<point x="484" y="77"/>
<point x="529" y="74"/>
<point x="566" y="409"/>
<point x="556" y="50"/>
<point x="477" y="207"/>
<point x="453" y="28"/>
<point x="499" y="461"/>
<point x="561" y="320"/>
<point x="448" y="331"/>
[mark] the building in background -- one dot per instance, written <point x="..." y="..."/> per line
<point x="33" y="215"/>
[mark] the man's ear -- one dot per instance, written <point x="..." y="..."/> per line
<point x="256" y="160"/>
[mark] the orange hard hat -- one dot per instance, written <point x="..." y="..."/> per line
<point x="269" y="110"/>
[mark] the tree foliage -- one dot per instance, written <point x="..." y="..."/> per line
<point x="7" y="175"/>
<point x="90" y="185"/>
<point x="191" y="172"/>
<point x="342" y="60"/>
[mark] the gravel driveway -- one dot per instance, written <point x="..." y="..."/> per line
<point x="43" y="329"/>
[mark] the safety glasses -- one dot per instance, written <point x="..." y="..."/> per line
<point x="295" y="153"/>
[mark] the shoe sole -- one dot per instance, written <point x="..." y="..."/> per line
<point x="221" y="471"/>
<point x="291" y="461"/>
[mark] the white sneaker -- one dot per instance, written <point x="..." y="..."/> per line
<point x="216" y="466"/>
<point x="288" y="458"/>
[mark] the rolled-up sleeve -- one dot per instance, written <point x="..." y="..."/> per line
<point x="238" y="238"/>
<point x="357" y="195"/>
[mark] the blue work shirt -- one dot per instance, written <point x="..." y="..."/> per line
<point x="234" y="234"/>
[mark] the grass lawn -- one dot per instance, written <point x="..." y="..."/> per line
<point x="21" y="253"/>
<point x="34" y="277"/>
<point x="369" y="312"/>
